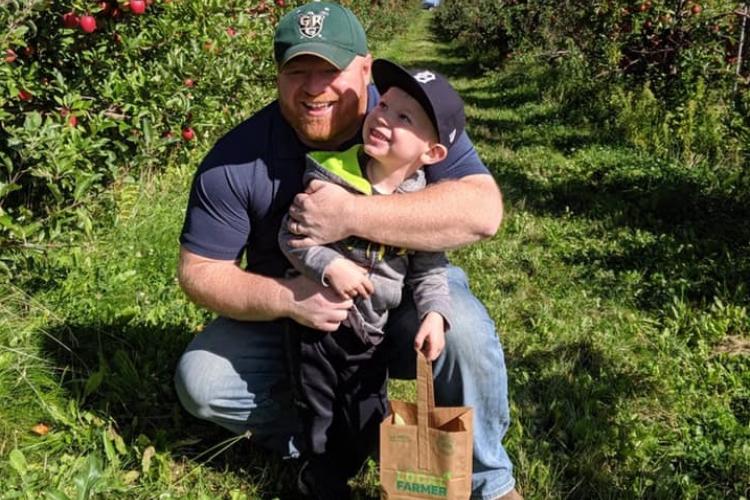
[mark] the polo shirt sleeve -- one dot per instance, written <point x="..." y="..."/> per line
<point x="462" y="160"/>
<point x="217" y="222"/>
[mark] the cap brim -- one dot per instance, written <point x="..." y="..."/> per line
<point x="340" y="58"/>
<point x="386" y="74"/>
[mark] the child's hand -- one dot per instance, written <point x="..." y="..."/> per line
<point x="430" y="338"/>
<point x="348" y="279"/>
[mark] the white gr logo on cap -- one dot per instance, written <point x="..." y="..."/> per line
<point x="311" y="24"/>
<point x="424" y="76"/>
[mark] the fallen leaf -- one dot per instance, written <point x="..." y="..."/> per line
<point x="148" y="453"/>
<point x="40" y="429"/>
<point x="130" y="477"/>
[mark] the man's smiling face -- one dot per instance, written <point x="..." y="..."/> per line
<point x="323" y="104"/>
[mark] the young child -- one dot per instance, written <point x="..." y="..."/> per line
<point x="342" y="376"/>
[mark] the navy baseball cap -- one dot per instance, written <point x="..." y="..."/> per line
<point x="431" y="90"/>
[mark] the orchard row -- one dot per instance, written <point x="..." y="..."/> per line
<point x="91" y="92"/>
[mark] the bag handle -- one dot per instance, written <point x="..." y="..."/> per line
<point x="425" y="407"/>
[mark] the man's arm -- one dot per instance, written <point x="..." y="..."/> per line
<point x="445" y="215"/>
<point x="224" y="288"/>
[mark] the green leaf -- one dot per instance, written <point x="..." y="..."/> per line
<point x="84" y="221"/>
<point x="120" y="444"/>
<point x="18" y="462"/>
<point x="109" y="449"/>
<point x="84" y="183"/>
<point x="6" y="221"/>
<point x="33" y="121"/>
<point x="88" y="478"/>
<point x="6" y="188"/>
<point x="55" y="494"/>
<point x="7" y="162"/>
<point x="93" y="382"/>
<point x="148" y="135"/>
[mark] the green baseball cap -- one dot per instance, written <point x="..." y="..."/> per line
<point x="327" y="30"/>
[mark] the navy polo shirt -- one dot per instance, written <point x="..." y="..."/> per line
<point x="246" y="183"/>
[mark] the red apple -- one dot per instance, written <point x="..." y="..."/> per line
<point x="188" y="134"/>
<point x="189" y="83"/>
<point x="105" y="7"/>
<point x="88" y="23"/>
<point x="231" y="31"/>
<point x="73" y="121"/>
<point x="281" y="3"/>
<point x="137" y="7"/>
<point x="10" y="56"/>
<point x="24" y="95"/>
<point x="70" y="20"/>
<point x="696" y="9"/>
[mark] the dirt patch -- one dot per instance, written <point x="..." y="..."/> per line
<point x="734" y="345"/>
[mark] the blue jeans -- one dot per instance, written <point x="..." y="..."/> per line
<point x="235" y="374"/>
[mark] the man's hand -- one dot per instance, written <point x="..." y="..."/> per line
<point x="321" y="214"/>
<point x="430" y="338"/>
<point x="348" y="279"/>
<point x="316" y="306"/>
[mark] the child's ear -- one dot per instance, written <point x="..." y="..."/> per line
<point x="435" y="154"/>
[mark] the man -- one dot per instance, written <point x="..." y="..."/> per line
<point x="234" y="373"/>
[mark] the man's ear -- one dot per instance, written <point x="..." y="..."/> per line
<point x="367" y="67"/>
<point x="435" y="154"/>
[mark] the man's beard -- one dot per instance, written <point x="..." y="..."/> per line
<point x="328" y="131"/>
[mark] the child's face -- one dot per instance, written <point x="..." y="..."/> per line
<point x="398" y="131"/>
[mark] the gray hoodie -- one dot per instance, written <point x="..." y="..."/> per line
<point x="389" y="268"/>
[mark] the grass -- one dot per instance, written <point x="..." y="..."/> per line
<point x="618" y="284"/>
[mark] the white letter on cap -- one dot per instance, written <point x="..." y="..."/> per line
<point x="424" y="76"/>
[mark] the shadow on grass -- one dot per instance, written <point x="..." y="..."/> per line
<point x="137" y="393"/>
<point x="697" y="244"/>
<point x="569" y="399"/>
<point x="698" y="214"/>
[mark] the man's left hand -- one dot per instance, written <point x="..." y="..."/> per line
<point x="322" y="214"/>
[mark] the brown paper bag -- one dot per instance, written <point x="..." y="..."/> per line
<point x="425" y="452"/>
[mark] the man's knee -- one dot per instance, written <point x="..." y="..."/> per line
<point x="192" y="384"/>
<point x="472" y="342"/>
<point x="470" y="320"/>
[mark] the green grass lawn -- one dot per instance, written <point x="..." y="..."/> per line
<point x="618" y="284"/>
